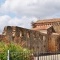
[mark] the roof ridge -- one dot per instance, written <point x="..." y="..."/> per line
<point x="48" y="20"/>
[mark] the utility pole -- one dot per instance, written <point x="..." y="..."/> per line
<point x="8" y="56"/>
<point x="38" y="53"/>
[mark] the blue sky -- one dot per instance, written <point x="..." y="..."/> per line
<point x="2" y="1"/>
<point x="22" y="12"/>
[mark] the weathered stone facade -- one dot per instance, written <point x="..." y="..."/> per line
<point x="51" y="27"/>
<point x="27" y="38"/>
<point x="44" y="37"/>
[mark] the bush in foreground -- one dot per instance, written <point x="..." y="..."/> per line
<point x="16" y="52"/>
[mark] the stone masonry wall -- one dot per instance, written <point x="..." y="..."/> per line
<point x="34" y="40"/>
<point x="27" y="38"/>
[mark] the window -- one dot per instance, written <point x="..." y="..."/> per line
<point x="20" y="33"/>
<point x="28" y="35"/>
<point x="13" y="33"/>
<point x="44" y="38"/>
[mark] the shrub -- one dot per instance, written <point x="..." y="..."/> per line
<point x="16" y="52"/>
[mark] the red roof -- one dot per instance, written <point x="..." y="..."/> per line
<point x="41" y="28"/>
<point x="48" y="20"/>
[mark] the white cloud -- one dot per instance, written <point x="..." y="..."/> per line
<point x="24" y="22"/>
<point x="38" y="8"/>
<point x="26" y="9"/>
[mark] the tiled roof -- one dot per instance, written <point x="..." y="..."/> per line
<point x="41" y="28"/>
<point x="48" y="20"/>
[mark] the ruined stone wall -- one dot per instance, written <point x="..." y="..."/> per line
<point x="27" y="38"/>
<point x="57" y="28"/>
<point x="34" y="40"/>
<point x="2" y="37"/>
<point x="53" y="44"/>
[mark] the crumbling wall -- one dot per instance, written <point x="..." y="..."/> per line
<point x="2" y="37"/>
<point x="27" y="38"/>
<point x="57" y="28"/>
<point x="53" y="44"/>
<point x="31" y="39"/>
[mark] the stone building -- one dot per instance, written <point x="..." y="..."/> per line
<point x="51" y="27"/>
<point x="27" y="38"/>
<point x="43" y="37"/>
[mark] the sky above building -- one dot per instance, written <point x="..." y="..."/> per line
<point x="22" y="12"/>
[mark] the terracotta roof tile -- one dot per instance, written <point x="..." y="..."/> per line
<point x="41" y="28"/>
<point x="48" y="20"/>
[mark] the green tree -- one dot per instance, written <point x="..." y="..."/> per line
<point x="16" y="51"/>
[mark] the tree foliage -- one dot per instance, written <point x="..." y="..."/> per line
<point x="16" y="52"/>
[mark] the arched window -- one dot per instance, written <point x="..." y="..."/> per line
<point x="13" y="33"/>
<point x="44" y="38"/>
<point x="28" y="34"/>
<point x="20" y="33"/>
